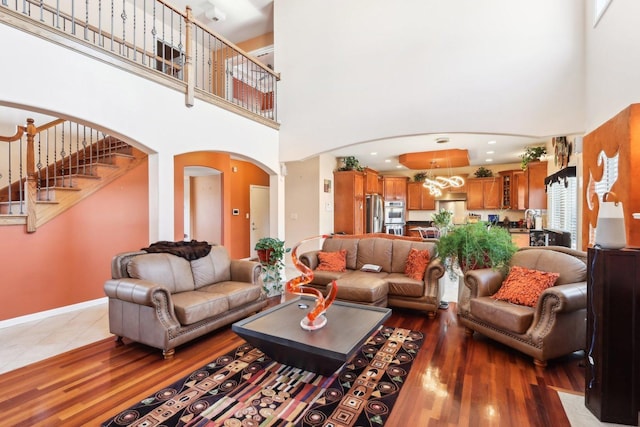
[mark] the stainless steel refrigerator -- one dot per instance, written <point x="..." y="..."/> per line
<point x="374" y="213"/>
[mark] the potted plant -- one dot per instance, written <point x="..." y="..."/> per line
<point x="442" y="220"/>
<point x="271" y="253"/>
<point x="483" y="172"/>
<point x="476" y="245"/>
<point x="419" y="176"/>
<point x="351" y="163"/>
<point x="532" y="154"/>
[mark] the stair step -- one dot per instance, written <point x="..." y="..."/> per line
<point x="13" y="208"/>
<point x="66" y="181"/>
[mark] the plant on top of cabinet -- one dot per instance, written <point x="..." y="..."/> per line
<point x="350" y="163"/>
<point x="483" y="172"/>
<point x="532" y="154"/>
<point x="419" y="176"/>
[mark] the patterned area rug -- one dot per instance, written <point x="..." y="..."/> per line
<point x="247" y="388"/>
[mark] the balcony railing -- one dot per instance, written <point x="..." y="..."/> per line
<point x="165" y="40"/>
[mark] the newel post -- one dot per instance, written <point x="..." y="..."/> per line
<point x="31" y="177"/>
<point x="189" y="75"/>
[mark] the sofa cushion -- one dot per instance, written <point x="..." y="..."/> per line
<point x="571" y="269"/>
<point x="360" y="286"/>
<point x="404" y="286"/>
<point x="417" y="262"/>
<point x="375" y="251"/>
<point x="324" y="277"/>
<point x="524" y="286"/>
<point x="332" y="261"/>
<point x="213" y="268"/>
<point x="401" y="249"/>
<point x="502" y="314"/>
<point x="194" y="306"/>
<point x="351" y="246"/>
<point x="237" y="293"/>
<point x="167" y="270"/>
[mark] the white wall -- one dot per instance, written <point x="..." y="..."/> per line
<point x="612" y="61"/>
<point x="368" y="69"/>
<point x="56" y="80"/>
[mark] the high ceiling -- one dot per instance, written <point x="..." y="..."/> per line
<point x="239" y="20"/>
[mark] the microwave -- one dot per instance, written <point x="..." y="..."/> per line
<point x="394" y="213"/>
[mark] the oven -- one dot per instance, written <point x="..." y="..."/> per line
<point x="396" y="229"/>
<point x="394" y="213"/>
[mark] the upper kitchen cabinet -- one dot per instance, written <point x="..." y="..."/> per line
<point x="513" y="189"/>
<point x="419" y="197"/>
<point x="484" y="193"/>
<point x="395" y="188"/>
<point x="371" y="181"/>
<point x="535" y="193"/>
<point x="348" y="200"/>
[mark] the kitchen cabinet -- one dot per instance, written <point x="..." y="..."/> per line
<point x="483" y="193"/>
<point x="395" y="188"/>
<point x="348" y="200"/>
<point x="513" y="189"/>
<point x="370" y="181"/>
<point x="535" y="192"/>
<point x="522" y="190"/>
<point x="419" y="197"/>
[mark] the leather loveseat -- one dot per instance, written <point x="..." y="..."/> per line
<point x="389" y="287"/>
<point x="164" y="300"/>
<point x="553" y="327"/>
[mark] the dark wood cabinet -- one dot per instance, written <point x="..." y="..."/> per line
<point x="612" y="376"/>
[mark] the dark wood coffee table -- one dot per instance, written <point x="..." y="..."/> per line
<point x="278" y="334"/>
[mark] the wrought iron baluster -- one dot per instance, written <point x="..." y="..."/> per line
<point x="77" y="154"/>
<point x="84" y="150"/>
<point x="86" y="20"/>
<point x="91" y="152"/>
<point x="39" y="165"/>
<point x="46" y="171"/>
<point x="123" y="45"/>
<point x="20" y="175"/>
<point x="112" y="27"/>
<point x="135" y="54"/>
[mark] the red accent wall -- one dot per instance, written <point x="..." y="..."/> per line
<point x="67" y="260"/>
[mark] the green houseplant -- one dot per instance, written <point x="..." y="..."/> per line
<point x="442" y="220"/>
<point x="532" y="154"/>
<point x="483" y="172"/>
<point x="476" y="245"/>
<point x="351" y="163"/>
<point x="271" y="253"/>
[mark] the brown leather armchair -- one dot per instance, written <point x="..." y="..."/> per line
<point x="556" y="326"/>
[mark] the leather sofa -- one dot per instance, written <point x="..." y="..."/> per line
<point x="164" y="300"/>
<point x="389" y="287"/>
<point x="556" y="326"/>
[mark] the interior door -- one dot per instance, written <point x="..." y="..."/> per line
<point x="259" y="214"/>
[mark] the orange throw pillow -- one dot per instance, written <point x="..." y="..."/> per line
<point x="333" y="261"/>
<point x="524" y="286"/>
<point x="417" y="262"/>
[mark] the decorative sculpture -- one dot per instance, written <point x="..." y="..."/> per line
<point x="315" y="319"/>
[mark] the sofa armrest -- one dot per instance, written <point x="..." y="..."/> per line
<point x="554" y="301"/>
<point x="144" y="292"/>
<point x="245" y="271"/>
<point x="310" y="259"/>
<point x="136" y="291"/>
<point x="432" y="274"/>
<point x="483" y="282"/>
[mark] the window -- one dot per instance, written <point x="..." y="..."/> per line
<point x="169" y="60"/>
<point x="563" y="207"/>
<point x="600" y="8"/>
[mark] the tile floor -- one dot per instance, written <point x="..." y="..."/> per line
<point x="37" y="340"/>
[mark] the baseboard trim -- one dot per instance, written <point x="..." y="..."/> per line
<point x="53" y="312"/>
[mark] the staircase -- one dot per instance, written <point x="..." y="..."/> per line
<point x="67" y="182"/>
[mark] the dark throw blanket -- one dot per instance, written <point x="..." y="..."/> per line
<point x="187" y="250"/>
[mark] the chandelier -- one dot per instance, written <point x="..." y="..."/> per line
<point x="439" y="183"/>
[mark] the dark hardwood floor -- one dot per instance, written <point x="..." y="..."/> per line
<point x="454" y="381"/>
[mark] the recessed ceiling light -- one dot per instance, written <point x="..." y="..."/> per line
<point x="442" y="140"/>
<point x="374" y="153"/>
<point x="387" y="161"/>
<point x="492" y="142"/>
<point x="489" y="160"/>
<point x="399" y="166"/>
<point x="490" y="152"/>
